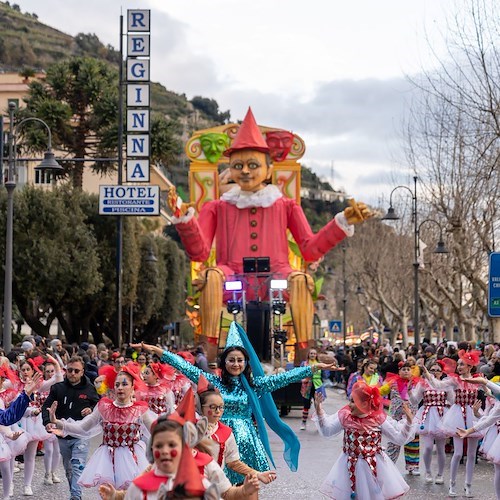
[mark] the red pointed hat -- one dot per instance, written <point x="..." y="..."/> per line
<point x="249" y="136"/>
<point x="203" y="384"/>
<point x="186" y="407"/>
<point x="188" y="481"/>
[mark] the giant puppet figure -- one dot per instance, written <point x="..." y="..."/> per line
<point x="251" y="220"/>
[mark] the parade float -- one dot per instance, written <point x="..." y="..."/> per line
<point x="249" y="240"/>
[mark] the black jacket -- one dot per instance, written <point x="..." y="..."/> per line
<point x="71" y="399"/>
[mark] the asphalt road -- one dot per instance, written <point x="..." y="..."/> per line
<point x="316" y="459"/>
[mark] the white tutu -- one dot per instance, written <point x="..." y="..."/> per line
<point x="5" y="451"/>
<point x="389" y="482"/>
<point x="491" y="445"/>
<point x="454" y="418"/>
<point x="34" y="427"/>
<point x="430" y="426"/>
<point x="18" y="446"/>
<point x="100" y="469"/>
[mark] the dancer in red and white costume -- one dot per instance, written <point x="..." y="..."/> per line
<point x="490" y="421"/>
<point x="429" y="415"/>
<point x="32" y="422"/>
<point x="364" y="471"/>
<point x="158" y="378"/>
<point x="13" y="440"/>
<point x="52" y="454"/>
<point x="460" y="415"/>
<point x="122" y="421"/>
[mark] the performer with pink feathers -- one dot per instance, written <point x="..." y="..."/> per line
<point x="124" y="423"/>
<point x="364" y="471"/>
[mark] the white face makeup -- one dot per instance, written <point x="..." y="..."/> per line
<point x="235" y="363"/>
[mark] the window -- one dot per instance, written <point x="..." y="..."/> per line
<point x="42" y="177"/>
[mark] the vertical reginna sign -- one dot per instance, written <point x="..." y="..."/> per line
<point x="138" y="95"/>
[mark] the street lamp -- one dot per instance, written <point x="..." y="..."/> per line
<point x="441" y="248"/>
<point x="48" y="163"/>
<point x="344" y="298"/>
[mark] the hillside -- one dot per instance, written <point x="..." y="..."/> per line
<point x="27" y="45"/>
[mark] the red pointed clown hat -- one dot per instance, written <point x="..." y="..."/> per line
<point x="203" y="385"/>
<point x="249" y="136"/>
<point x="186" y="407"/>
<point x="188" y="481"/>
<point x="470" y="358"/>
<point x="366" y="398"/>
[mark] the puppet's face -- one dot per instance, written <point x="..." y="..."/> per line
<point x="279" y="144"/>
<point x="249" y="169"/>
<point x="213" y="145"/>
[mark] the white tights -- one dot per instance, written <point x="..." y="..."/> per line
<point x="458" y="450"/>
<point x="6" y="468"/>
<point x="428" y="442"/>
<point x="497" y="480"/>
<point x="51" y="455"/>
<point x="29" y="462"/>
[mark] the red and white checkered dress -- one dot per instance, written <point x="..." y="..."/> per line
<point x="436" y="403"/>
<point x="159" y="398"/>
<point x="460" y="415"/>
<point x="122" y="454"/>
<point x="363" y="468"/>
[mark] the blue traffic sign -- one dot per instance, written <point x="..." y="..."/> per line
<point x="494" y="285"/>
<point x="335" y="326"/>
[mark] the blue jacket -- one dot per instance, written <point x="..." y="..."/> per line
<point x="15" y="411"/>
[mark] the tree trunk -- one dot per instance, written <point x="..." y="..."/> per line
<point x="404" y="331"/>
<point x="495" y="330"/>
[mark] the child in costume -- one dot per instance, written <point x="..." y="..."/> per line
<point x="174" y="473"/>
<point x="32" y="422"/>
<point x="398" y="387"/>
<point x="246" y="394"/>
<point x="152" y="485"/>
<point x="460" y="415"/>
<point x="13" y="440"/>
<point x="122" y="421"/>
<point x="429" y="415"/>
<point x="224" y="448"/>
<point x="310" y="385"/>
<point x="490" y="421"/>
<point x="158" y="378"/>
<point x="52" y="453"/>
<point x="364" y="471"/>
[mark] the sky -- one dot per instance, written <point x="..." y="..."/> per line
<point x="332" y="71"/>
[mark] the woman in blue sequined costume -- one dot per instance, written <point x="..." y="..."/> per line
<point x="234" y="364"/>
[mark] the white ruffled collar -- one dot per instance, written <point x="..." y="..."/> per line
<point x="243" y="199"/>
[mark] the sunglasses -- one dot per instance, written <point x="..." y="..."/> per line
<point x="76" y="371"/>
<point x="435" y="371"/>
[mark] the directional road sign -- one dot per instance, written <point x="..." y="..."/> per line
<point x="494" y="285"/>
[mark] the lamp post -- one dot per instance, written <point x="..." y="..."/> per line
<point x="48" y="163"/>
<point x="441" y="248"/>
<point x="344" y="297"/>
